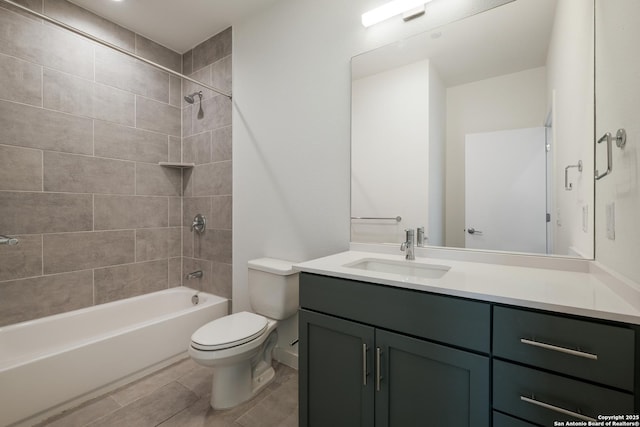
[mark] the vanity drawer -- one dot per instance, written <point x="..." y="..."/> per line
<point x="597" y="352"/>
<point x="502" y="420"/>
<point x="448" y="320"/>
<point x="541" y="397"/>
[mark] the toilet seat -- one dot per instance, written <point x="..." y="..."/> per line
<point x="229" y="331"/>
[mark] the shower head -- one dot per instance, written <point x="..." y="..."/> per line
<point x="190" y="98"/>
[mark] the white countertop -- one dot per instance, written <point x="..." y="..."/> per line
<point x="570" y="292"/>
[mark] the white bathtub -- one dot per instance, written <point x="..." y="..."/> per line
<point x="52" y="363"/>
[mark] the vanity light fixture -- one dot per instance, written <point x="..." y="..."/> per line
<point x="396" y="7"/>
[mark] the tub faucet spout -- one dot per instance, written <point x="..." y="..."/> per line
<point x="194" y="275"/>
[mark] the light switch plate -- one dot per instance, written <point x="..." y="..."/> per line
<point x="611" y="221"/>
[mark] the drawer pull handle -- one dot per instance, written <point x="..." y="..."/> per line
<point x="560" y="349"/>
<point x="365" y="374"/>
<point x="378" y="375"/>
<point x="556" y="409"/>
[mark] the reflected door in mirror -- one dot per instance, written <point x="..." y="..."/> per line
<point x="505" y="190"/>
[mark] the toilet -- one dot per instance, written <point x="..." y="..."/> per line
<point x="238" y="347"/>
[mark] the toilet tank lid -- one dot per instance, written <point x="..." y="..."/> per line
<point x="274" y="266"/>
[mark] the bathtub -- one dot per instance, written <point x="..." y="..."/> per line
<point x="53" y="363"/>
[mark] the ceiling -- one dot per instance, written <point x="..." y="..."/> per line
<point x="176" y="24"/>
<point x="507" y="39"/>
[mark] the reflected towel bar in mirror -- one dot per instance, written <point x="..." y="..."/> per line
<point x="396" y="219"/>
<point x="567" y="185"/>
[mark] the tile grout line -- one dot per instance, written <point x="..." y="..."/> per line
<point x="41" y="256"/>
<point x="93" y="286"/>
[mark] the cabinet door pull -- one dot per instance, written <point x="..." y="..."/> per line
<point x="365" y="374"/>
<point x="560" y="349"/>
<point x="378" y="375"/>
<point x="556" y="408"/>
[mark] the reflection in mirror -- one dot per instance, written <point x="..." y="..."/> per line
<point x="468" y="130"/>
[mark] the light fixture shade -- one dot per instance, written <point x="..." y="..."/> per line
<point x="388" y="10"/>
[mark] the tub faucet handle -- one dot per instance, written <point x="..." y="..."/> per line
<point x="199" y="223"/>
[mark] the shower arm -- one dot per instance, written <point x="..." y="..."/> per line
<point x="114" y="47"/>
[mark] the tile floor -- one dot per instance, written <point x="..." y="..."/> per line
<point x="178" y="396"/>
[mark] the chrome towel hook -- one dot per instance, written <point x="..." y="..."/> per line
<point x="621" y="141"/>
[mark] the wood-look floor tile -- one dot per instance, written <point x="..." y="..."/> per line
<point x="198" y="380"/>
<point x="151" y="383"/>
<point x="84" y="414"/>
<point x="152" y="409"/>
<point x="274" y="409"/>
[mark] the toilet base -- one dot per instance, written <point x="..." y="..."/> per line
<point x="238" y="382"/>
<point x="233" y="385"/>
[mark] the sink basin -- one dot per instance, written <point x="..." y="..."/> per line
<point x="401" y="268"/>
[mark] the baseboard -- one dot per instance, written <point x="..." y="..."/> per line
<point x="288" y="358"/>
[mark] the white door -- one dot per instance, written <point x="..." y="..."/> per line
<point x="505" y="190"/>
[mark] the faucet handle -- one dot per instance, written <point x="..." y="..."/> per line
<point x="199" y="223"/>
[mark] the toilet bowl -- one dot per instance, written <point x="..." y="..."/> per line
<point x="239" y="346"/>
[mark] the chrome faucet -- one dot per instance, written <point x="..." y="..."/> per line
<point x="421" y="238"/>
<point x="194" y="275"/>
<point x="409" y="244"/>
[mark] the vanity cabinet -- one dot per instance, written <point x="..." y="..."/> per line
<point x="376" y="355"/>
<point x="368" y="357"/>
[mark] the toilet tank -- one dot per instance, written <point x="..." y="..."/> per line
<point x="273" y="288"/>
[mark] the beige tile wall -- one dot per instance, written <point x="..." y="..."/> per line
<point x="82" y="129"/>
<point x="208" y="187"/>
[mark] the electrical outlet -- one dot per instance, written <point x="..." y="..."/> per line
<point x="611" y="221"/>
<point x="585" y="218"/>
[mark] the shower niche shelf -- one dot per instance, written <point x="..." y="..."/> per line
<point x="177" y="165"/>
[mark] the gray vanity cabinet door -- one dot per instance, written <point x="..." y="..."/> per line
<point x="335" y="389"/>
<point x="427" y="384"/>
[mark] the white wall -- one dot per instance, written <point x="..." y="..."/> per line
<point x="570" y="85"/>
<point x="390" y="152"/>
<point x="618" y="106"/>
<point x="512" y="101"/>
<point x="291" y="116"/>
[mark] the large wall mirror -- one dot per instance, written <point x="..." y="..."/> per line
<point x="481" y="131"/>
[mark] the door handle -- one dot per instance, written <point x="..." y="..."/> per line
<point x="365" y="374"/>
<point x="378" y="369"/>
<point x="472" y="230"/>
